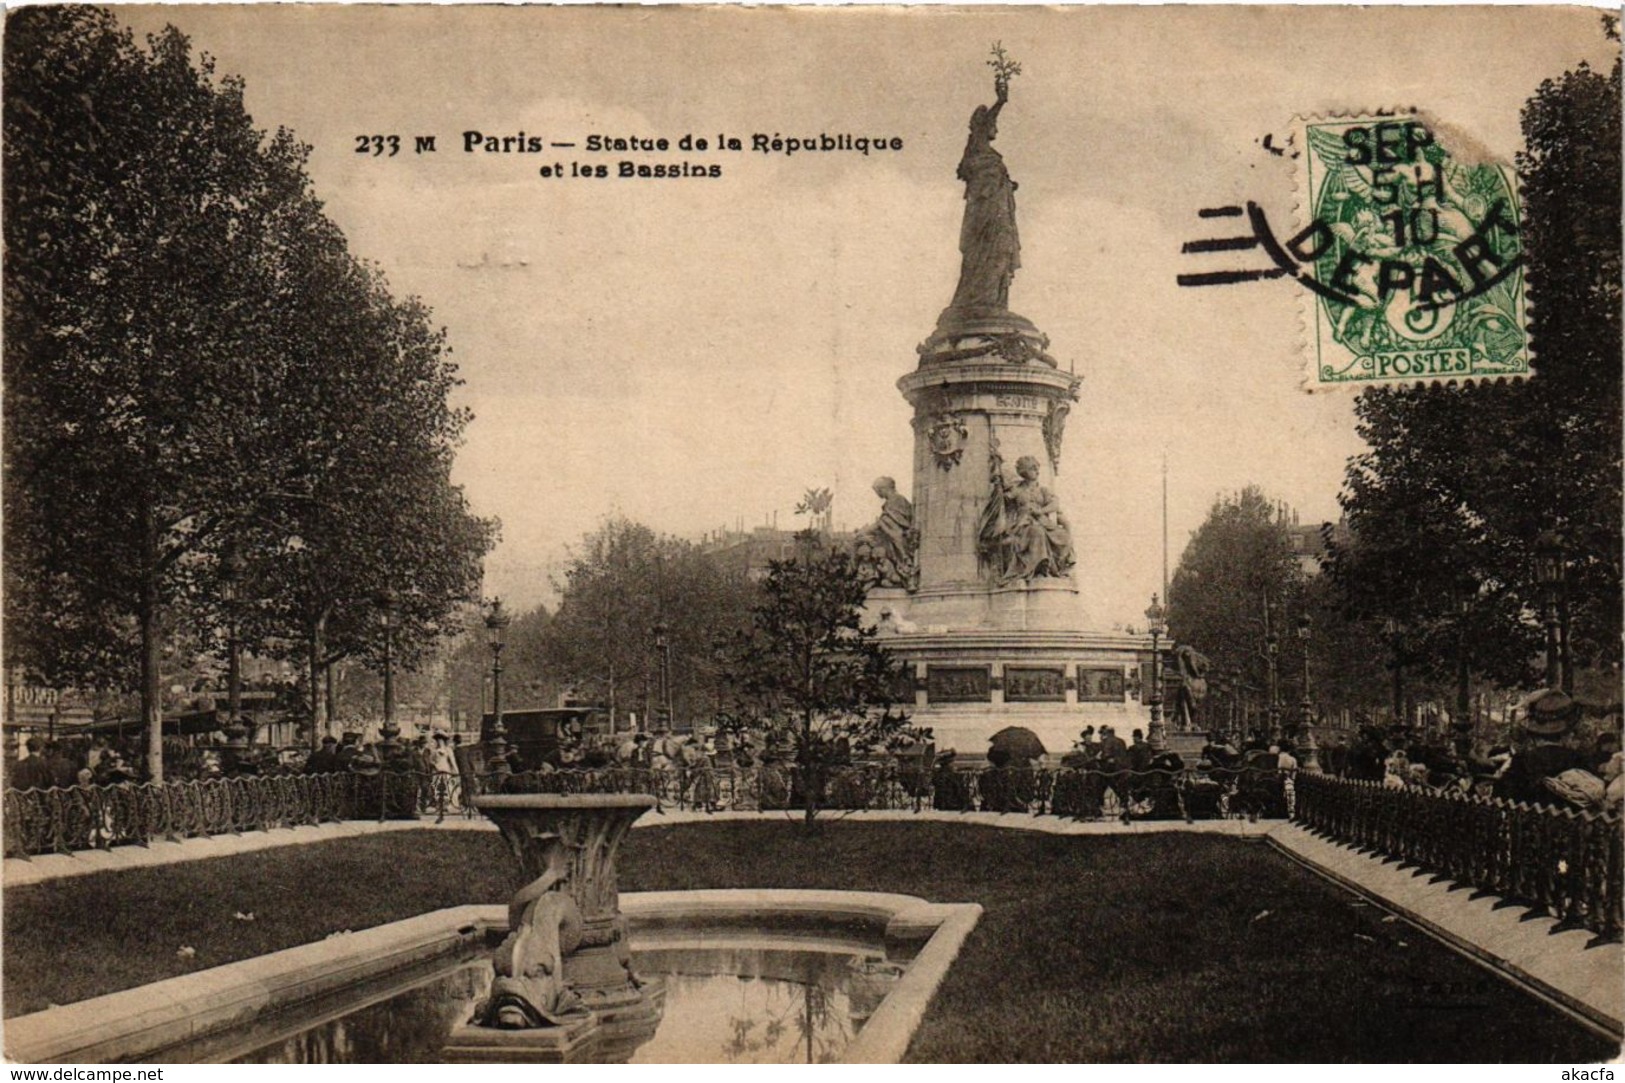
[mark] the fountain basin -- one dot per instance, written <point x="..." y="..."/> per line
<point x="227" y="1012"/>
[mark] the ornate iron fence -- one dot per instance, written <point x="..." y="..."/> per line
<point x="99" y="817"/>
<point x="63" y="820"/>
<point x="1561" y="862"/>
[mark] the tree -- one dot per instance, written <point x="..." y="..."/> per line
<point x="809" y="669"/>
<point x="137" y="195"/>
<point x="356" y="512"/>
<point x="1349" y="657"/>
<point x="197" y="368"/>
<point x="1571" y="188"/>
<point x="623" y="581"/>
<point x="1459" y="483"/>
<point x="1240" y="556"/>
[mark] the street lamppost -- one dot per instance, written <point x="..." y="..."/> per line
<point x="1306" y="707"/>
<point x="1549" y="573"/>
<point x="387" y="619"/>
<point x="1272" y="649"/>
<point x="1396" y="638"/>
<point x="231" y="572"/>
<point x="1466" y="593"/>
<point x="1156" y="623"/>
<point x="496" y="625"/>
<point x="1238" y="705"/>
<point x="663" y="658"/>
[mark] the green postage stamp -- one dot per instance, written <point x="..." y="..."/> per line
<point x="1414" y="259"/>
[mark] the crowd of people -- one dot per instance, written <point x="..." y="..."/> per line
<point x="1548" y="762"/>
<point x="104" y="761"/>
<point x="63" y="763"/>
<point x="1104" y="775"/>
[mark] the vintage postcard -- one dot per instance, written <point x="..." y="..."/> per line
<point x="812" y="534"/>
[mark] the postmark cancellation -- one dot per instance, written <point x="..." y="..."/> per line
<point x="1411" y="255"/>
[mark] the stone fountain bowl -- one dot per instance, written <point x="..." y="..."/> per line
<point x="567" y="963"/>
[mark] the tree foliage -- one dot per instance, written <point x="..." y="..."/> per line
<point x="621" y="582"/>
<point x="1241" y="555"/>
<point x="1458" y="483"/>
<point x="808" y="668"/>
<point x="1237" y="558"/>
<point x="195" y="364"/>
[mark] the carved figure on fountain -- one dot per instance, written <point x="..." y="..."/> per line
<point x="567" y="947"/>
<point x="545" y="927"/>
<point x="563" y="989"/>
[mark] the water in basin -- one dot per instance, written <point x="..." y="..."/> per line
<point x="724" y="1004"/>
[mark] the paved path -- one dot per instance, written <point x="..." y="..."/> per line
<point x="19" y="872"/>
<point x="1587" y="983"/>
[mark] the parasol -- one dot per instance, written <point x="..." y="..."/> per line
<point x="1020" y="743"/>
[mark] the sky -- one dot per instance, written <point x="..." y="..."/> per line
<point x="693" y="353"/>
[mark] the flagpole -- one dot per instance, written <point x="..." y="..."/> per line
<point x="1165" y="526"/>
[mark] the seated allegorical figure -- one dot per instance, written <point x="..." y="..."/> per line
<point x="888" y="544"/>
<point x="1024" y="534"/>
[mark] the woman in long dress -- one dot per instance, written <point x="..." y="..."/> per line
<point x="1024" y="534"/>
<point x="988" y="242"/>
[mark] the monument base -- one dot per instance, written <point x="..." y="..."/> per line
<point x="1039" y="605"/>
<point x="970" y="684"/>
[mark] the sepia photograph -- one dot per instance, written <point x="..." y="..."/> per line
<point x="727" y="535"/>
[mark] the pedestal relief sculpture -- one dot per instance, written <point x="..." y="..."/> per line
<point x="947" y="437"/>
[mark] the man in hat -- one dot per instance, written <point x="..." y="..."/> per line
<point x="349" y="749"/>
<point x="365" y="762"/>
<point x="1542" y="754"/>
<point x="1365" y="759"/>
<point x="1139" y="753"/>
<point x="1113" y="752"/>
<point x="1220" y="752"/>
<point x="1114" y="765"/>
<point x="950" y="788"/>
<point x="325" y="760"/>
<point x="33" y="772"/>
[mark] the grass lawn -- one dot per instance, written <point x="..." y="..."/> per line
<point x="1156" y="947"/>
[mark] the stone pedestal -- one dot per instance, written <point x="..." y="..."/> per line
<point x="987" y="652"/>
<point x="970" y="683"/>
<point x="982" y="387"/>
<point x="568" y="912"/>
